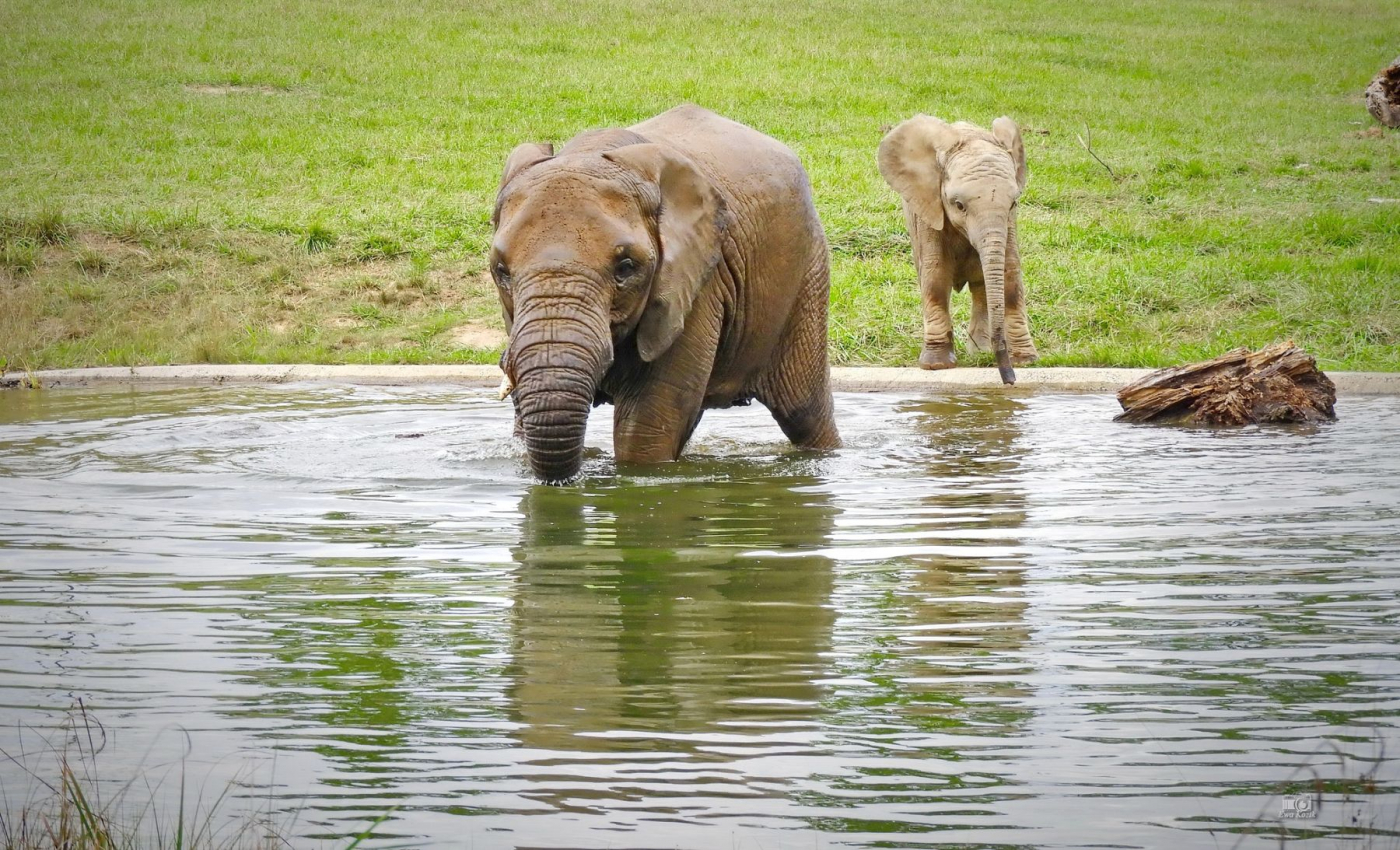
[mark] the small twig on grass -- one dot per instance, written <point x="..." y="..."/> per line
<point x="1086" y="141"/>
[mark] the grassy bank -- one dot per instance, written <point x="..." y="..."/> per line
<point x="311" y="181"/>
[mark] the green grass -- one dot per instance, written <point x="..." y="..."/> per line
<point x="312" y="182"/>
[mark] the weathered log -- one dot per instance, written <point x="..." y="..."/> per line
<point x="1383" y="95"/>
<point x="1278" y="383"/>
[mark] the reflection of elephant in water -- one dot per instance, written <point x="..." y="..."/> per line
<point x="976" y="438"/>
<point x="960" y="185"/>
<point x="973" y="591"/>
<point x="668" y="608"/>
<point x="667" y="268"/>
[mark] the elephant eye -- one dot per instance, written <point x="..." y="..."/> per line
<point x="960" y="205"/>
<point x="625" y="268"/>
<point x="502" y="273"/>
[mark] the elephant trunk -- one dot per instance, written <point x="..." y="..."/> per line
<point x="993" y="252"/>
<point x="559" y="350"/>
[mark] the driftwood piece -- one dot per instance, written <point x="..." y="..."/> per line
<point x="1278" y="383"/>
<point x="1383" y="95"/>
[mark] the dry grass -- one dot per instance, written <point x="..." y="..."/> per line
<point x="103" y="299"/>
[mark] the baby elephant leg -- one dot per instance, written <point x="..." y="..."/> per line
<point x="1018" y="329"/>
<point x="979" y="331"/>
<point x="938" y="324"/>
<point x="1018" y="325"/>
<point x="935" y="286"/>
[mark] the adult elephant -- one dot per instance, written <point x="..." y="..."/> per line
<point x="667" y="268"/>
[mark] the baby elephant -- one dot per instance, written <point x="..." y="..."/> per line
<point x="666" y="268"/>
<point x="960" y="184"/>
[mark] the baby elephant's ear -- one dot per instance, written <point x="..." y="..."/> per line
<point x="910" y="162"/>
<point x="690" y="222"/>
<point x="524" y="156"/>
<point x="1008" y="135"/>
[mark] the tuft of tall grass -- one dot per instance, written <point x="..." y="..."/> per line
<point x="71" y="808"/>
<point x="49" y="227"/>
<point x="19" y="256"/>
<point x="379" y="247"/>
<point x="22" y="239"/>
<point x="46" y="227"/>
<point x="317" y="238"/>
<point x="92" y="262"/>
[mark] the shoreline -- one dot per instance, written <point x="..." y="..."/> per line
<point x="843" y="378"/>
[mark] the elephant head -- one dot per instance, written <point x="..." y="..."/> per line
<point x="598" y="254"/>
<point x="960" y="176"/>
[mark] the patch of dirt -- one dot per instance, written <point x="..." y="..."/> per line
<point x="471" y="284"/>
<point x="58" y="329"/>
<point x="110" y="247"/>
<point x="230" y="88"/>
<point x="477" y="336"/>
<point x="336" y="277"/>
<point x="1372" y="133"/>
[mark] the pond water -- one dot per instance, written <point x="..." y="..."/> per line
<point x="987" y="621"/>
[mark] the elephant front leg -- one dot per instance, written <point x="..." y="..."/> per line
<point x="938" y="325"/>
<point x="646" y="430"/>
<point x="935" y="285"/>
<point x="653" y="420"/>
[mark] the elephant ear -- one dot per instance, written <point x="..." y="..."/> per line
<point x="1008" y="135"/>
<point x="523" y="157"/>
<point x="690" y="223"/>
<point x="910" y="163"/>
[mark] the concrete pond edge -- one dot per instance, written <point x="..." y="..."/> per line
<point x="843" y="378"/>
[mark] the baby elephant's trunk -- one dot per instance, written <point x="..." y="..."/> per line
<point x="993" y="251"/>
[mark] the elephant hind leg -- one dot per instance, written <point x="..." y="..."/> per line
<point x="797" y="390"/>
<point x="1018" y="325"/>
<point x="1018" y="328"/>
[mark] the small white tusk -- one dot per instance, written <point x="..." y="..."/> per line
<point x="505" y="389"/>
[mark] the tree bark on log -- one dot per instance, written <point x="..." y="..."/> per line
<point x="1278" y="383"/>
<point x="1383" y="95"/>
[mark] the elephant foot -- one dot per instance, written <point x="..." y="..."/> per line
<point x="1023" y="358"/>
<point x="937" y="358"/>
<point x="980" y="340"/>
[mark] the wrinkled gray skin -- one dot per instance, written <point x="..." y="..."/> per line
<point x="960" y="185"/>
<point x="667" y="268"/>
